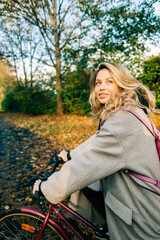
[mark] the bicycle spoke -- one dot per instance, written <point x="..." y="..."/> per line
<point x="8" y="226"/>
<point x="9" y="230"/>
<point x="24" y="226"/>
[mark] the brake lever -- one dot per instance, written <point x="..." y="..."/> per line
<point x="51" y="160"/>
<point x="33" y="179"/>
<point x="58" y="160"/>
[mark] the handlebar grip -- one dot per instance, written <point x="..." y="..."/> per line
<point x="36" y="195"/>
<point x="68" y="155"/>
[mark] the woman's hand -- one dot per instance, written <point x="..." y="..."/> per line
<point x="63" y="155"/>
<point x="36" y="186"/>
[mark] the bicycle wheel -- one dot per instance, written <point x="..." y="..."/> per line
<point x="26" y="226"/>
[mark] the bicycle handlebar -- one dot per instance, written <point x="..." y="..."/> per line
<point x="36" y="195"/>
<point x="54" y="159"/>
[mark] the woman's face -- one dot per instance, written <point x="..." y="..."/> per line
<point x="105" y="86"/>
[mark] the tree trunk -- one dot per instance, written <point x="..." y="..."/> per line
<point x="58" y="84"/>
<point x="58" y="61"/>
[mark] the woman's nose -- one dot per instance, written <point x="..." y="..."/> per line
<point x="103" y="86"/>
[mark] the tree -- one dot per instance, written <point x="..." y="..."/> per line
<point x="120" y="30"/>
<point x="151" y="75"/>
<point x="22" y="45"/>
<point x="60" y="23"/>
<point x="75" y="32"/>
<point x="124" y="23"/>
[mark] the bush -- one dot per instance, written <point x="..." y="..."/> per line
<point x="29" y="100"/>
<point x="35" y="100"/>
<point x="11" y="103"/>
<point x="76" y="92"/>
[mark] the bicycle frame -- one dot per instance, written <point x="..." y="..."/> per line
<point x="54" y="208"/>
<point x="52" y="221"/>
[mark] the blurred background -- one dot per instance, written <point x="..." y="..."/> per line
<point x="49" y="49"/>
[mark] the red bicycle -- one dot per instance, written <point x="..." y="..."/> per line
<point x="29" y="223"/>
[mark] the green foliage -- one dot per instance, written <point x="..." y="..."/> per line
<point x="110" y="30"/>
<point x="151" y="76"/>
<point x="119" y="30"/>
<point x="123" y="23"/>
<point x="11" y="102"/>
<point x="76" y="92"/>
<point x="36" y="101"/>
<point x="29" y="100"/>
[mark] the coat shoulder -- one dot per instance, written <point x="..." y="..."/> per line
<point x="124" y="122"/>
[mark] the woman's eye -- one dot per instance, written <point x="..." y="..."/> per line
<point x="109" y="82"/>
<point x="97" y="83"/>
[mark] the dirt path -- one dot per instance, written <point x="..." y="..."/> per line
<point x="22" y="153"/>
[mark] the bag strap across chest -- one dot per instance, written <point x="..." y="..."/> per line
<point x="156" y="134"/>
<point x="153" y="130"/>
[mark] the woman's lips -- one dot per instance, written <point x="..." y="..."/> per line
<point x="103" y="95"/>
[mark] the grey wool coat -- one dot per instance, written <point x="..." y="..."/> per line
<point x="123" y="142"/>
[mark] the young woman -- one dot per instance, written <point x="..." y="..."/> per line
<point x="122" y="142"/>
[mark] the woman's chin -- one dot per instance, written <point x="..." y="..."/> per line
<point x="104" y="101"/>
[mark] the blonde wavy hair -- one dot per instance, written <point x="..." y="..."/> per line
<point x="132" y="93"/>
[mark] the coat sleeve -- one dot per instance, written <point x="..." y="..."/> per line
<point x="100" y="158"/>
<point x="82" y="146"/>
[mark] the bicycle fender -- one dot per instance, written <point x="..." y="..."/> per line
<point x="51" y="220"/>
